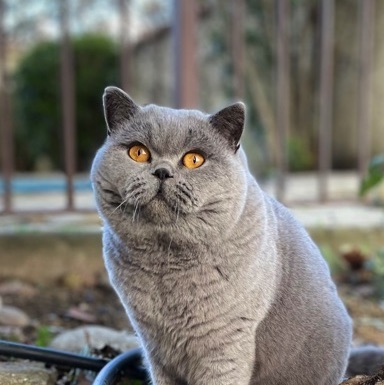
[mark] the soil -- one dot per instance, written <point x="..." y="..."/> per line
<point x="62" y="306"/>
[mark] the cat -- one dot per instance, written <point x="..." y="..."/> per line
<point x="366" y="359"/>
<point x="220" y="282"/>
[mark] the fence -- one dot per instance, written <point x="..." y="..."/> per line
<point x="185" y="24"/>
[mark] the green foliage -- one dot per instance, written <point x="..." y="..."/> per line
<point x="333" y="259"/>
<point x="374" y="176"/>
<point x="37" y="100"/>
<point x="299" y="155"/>
<point x="44" y="336"/>
<point x="376" y="265"/>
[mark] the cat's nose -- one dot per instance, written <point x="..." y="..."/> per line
<point x="163" y="173"/>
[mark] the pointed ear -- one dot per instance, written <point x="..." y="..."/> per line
<point x="118" y="107"/>
<point x="229" y="122"/>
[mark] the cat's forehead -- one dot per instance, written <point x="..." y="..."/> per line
<point x="169" y="130"/>
<point x="173" y="121"/>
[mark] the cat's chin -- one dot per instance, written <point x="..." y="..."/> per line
<point x="158" y="211"/>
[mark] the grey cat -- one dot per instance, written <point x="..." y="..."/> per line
<point x="220" y="282"/>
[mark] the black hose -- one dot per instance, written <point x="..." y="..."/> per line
<point x="50" y="356"/>
<point x="126" y="364"/>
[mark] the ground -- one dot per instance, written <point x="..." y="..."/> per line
<point x="61" y="306"/>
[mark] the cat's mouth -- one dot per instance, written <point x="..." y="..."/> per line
<point x="160" y="196"/>
<point x="159" y="202"/>
<point x="160" y="191"/>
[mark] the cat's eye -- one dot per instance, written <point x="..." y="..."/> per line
<point x="193" y="160"/>
<point x="139" y="153"/>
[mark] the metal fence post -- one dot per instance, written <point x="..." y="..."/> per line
<point x="5" y="117"/>
<point x="185" y="53"/>
<point x="125" y="64"/>
<point x="237" y="37"/>
<point x="67" y="102"/>
<point x="326" y="96"/>
<point x="283" y="92"/>
<point x="364" y="117"/>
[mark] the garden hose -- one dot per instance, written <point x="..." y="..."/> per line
<point x="127" y="364"/>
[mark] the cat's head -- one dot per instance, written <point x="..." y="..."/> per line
<point x="160" y="165"/>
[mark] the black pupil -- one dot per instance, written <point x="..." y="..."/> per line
<point x="139" y="151"/>
<point x="194" y="159"/>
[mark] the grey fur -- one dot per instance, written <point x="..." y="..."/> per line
<point x="365" y="360"/>
<point x="221" y="283"/>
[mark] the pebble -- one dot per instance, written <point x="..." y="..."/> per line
<point x="12" y="333"/>
<point x="16" y="287"/>
<point x="94" y="337"/>
<point x="12" y="316"/>
<point x="26" y="373"/>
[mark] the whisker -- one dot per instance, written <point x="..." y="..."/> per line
<point x="134" y="212"/>
<point x="181" y="198"/>
<point x="119" y="206"/>
<point x="125" y="208"/>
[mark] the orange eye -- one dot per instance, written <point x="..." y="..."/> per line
<point x="193" y="160"/>
<point x="139" y="153"/>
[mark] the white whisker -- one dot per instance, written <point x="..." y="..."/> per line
<point x="119" y="206"/>
<point x="135" y="212"/>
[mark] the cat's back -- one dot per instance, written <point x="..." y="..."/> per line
<point x="306" y="318"/>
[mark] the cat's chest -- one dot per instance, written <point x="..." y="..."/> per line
<point x="167" y="286"/>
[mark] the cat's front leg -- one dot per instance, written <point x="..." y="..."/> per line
<point x="233" y="366"/>
<point x="160" y="376"/>
<point x="212" y="376"/>
<point x="225" y="375"/>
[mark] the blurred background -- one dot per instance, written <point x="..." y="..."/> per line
<point x="310" y="71"/>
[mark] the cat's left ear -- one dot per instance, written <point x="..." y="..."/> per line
<point x="119" y="107"/>
<point x="229" y="122"/>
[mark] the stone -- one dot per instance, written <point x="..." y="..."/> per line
<point x="357" y="380"/>
<point x="12" y="316"/>
<point x="17" y="287"/>
<point x="11" y="333"/>
<point x="94" y="337"/>
<point x="26" y="373"/>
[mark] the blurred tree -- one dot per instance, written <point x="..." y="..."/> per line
<point x="261" y="40"/>
<point x="304" y="19"/>
<point x="260" y="78"/>
<point x="37" y="100"/>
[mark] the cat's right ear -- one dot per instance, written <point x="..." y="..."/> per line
<point x="118" y="107"/>
<point x="229" y="122"/>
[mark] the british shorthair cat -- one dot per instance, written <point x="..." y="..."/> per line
<point x="221" y="283"/>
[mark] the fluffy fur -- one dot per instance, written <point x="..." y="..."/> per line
<point x="221" y="283"/>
